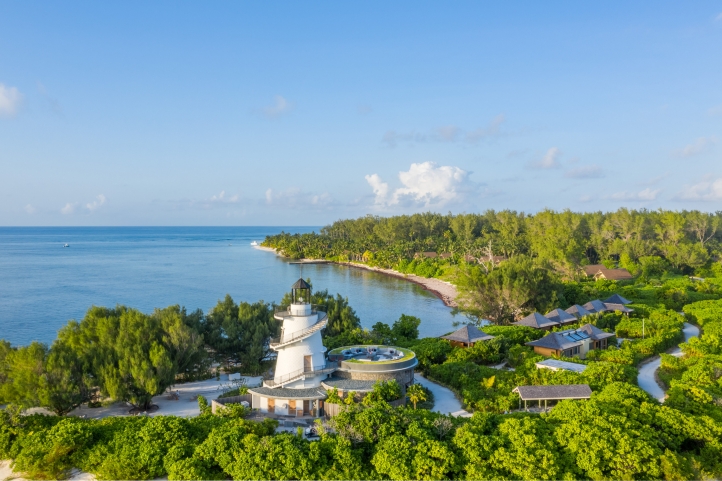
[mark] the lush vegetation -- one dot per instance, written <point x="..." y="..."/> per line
<point x="619" y="434"/>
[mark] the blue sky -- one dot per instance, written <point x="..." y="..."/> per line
<point x="300" y="113"/>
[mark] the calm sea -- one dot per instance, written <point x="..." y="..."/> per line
<point x="43" y="284"/>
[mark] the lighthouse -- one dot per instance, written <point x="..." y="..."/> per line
<point x="301" y="361"/>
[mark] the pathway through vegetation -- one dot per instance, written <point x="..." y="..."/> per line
<point x="445" y="401"/>
<point x="646" y="379"/>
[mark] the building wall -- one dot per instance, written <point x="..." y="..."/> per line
<point x="404" y="377"/>
<point x="545" y="351"/>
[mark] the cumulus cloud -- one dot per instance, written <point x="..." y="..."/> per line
<point x="96" y="204"/>
<point x="586" y="172"/>
<point x="280" y="106"/>
<point x="69" y="208"/>
<point x="549" y="161"/>
<point x="297" y="198"/>
<point x="222" y="198"/>
<point x="10" y="100"/>
<point x="380" y="188"/>
<point x="644" y="195"/>
<point x="709" y="189"/>
<point x="446" y="133"/>
<point x="425" y="184"/>
<point x="30" y="209"/>
<point x="699" y="146"/>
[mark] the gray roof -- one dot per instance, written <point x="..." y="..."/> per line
<point x="468" y="333"/>
<point x="289" y="393"/>
<point x="348" y="384"/>
<point x="555" y="340"/>
<point x="536" y="321"/>
<point x="564" y="365"/>
<point x="617" y="307"/>
<point x="560" y="316"/>
<point x="617" y="299"/>
<point x="301" y="284"/>
<point x="595" y="333"/>
<point x="578" y="311"/>
<point x="567" y="391"/>
<point x="595" y="306"/>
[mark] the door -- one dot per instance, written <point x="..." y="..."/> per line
<point x="306" y="406"/>
<point x="307" y="363"/>
<point x="271" y="405"/>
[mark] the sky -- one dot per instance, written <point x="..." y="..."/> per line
<point x="302" y="113"/>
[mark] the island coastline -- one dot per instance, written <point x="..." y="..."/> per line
<point x="445" y="291"/>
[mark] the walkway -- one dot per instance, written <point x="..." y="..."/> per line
<point x="646" y="379"/>
<point x="445" y="401"/>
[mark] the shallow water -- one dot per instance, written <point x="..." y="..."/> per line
<point x="43" y="284"/>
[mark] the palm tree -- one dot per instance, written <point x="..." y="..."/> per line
<point x="416" y="394"/>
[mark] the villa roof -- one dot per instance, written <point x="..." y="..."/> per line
<point x="618" y="307"/>
<point x="560" y="316"/>
<point x="600" y="270"/>
<point x="468" y="334"/>
<point x="348" y="384"/>
<point x="595" y="333"/>
<point x="617" y="299"/>
<point x="595" y="306"/>
<point x="289" y="393"/>
<point x="301" y="284"/>
<point x="557" y="341"/>
<point x="556" y="364"/>
<point x="536" y="321"/>
<point x="592" y="269"/>
<point x="578" y="311"/>
<point x="567" y="391"/>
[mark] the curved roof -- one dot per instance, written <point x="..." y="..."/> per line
<point x="357" y="385"/>
<point x="289" y="393"/>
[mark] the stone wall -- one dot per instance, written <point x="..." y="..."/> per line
<point x="404" y="377"/>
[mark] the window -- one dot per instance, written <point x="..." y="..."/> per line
<point x="575" y="350"/>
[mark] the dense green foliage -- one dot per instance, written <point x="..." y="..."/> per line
<point x="619" y="434"/>
<point x="645" y="242"/>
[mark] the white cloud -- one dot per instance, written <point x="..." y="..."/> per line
<point x="492" y="130"/>
<point x="380" y="188"/>
<point x="69" y="208"/>
<point x="644" y="195"/>
<point x="699" y="146"/>
<point x="279" y="107"/>
<point x="549" y="161"/>
<point x="446" y="133"/>
<point x="96" y="204"/>
<point x="222" y="198"/>
<point x="709" y="189"/>
<point x="10" y="100"/>
<point x="425" y="184"/>
<point x="586" y="172"/>
<point x="296" y="198"/>
<point x="30" y="209"/>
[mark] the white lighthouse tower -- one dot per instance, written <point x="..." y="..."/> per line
<point x="301" y="361"/>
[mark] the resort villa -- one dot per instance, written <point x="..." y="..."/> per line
<point x="571" y="342"/>
<point x="467" y="336"/>
<point x="304" y="373"/>
<point x="600" y="271"/>
<point x="572" y="315"/>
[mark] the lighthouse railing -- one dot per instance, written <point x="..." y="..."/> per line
<point x="291" y="376"/>
<point x="294" y="336"/>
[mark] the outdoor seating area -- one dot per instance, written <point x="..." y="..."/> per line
<point x="372" y="353"/>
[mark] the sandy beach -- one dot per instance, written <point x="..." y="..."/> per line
<point x="445" y="291"/>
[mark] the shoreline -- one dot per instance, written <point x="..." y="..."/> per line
<point x="445" y="291"/>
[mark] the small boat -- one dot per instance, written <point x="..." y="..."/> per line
<point x="66" y="245"/>
<point x="254" y="243"/>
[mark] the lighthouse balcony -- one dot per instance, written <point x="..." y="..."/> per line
<point x="304" y="373"/>
<point x="297" y="310"/>
<point x="296" y="336"/>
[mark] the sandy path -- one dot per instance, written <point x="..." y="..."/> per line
<point x="445" y="401"/>
<point x="646" y="378"/>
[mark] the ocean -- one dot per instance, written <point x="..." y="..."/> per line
<point x="43" y="284"/>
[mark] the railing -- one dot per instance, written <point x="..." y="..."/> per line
<point x="281" y="312"/>
<point x="292" y="376"/>
<point x="298" y="335"/>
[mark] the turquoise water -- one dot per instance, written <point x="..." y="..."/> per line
<point x="43" y="284"/>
